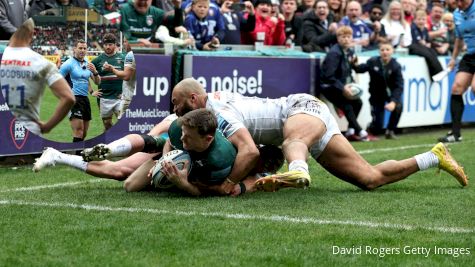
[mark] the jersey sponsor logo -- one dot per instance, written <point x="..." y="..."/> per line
<point x="149" y="20"/>
<point x="19" y="133"/>
<point x="15" y="62"/>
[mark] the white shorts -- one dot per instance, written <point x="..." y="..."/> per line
<point x="124" y="105"/>
<point x="109" y="107"/>
<point x="307" y="104"/>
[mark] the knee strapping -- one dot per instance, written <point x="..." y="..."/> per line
<point x="153" y="144"/>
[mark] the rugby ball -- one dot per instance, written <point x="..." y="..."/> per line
<point x="179" y="157"/>
<point x="356" y="91"/>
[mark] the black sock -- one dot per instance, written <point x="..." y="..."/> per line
<point x="456" y="111"/>
<point x="77" y="139"/>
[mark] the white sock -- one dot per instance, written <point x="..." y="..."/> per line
<point x="363" y="133"/>
<point x="350" y="131"/>
<point x="72" y="160"/>
<point x="120" y="147"/>
<point x="426" y="160"/>
<point x="298" y="165"/>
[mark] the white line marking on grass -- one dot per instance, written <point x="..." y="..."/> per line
<point x="369" y="151"/>
<point x="40" y="187"/>
<point x="389" y="149"/>
<point x="276" y="218"/>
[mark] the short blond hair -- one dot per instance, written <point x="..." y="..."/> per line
<point x="344" y="30"/>
<point x="25" y="31"/>
<point x="420" y="13"/>
<point x="448" y="15"/>
<point x="194" y="2"/>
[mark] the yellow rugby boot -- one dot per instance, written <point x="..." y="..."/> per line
<point x="272" y="183"/>
<point x="448" y="163"/>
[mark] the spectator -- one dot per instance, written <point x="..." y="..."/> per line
<point x="409" y="9"/>
<point x="273" y="27"/>
<point x="397" y="29"/>
<point x="275" y="8"/>
<point x="385" y="87"/>
<point x="207" y="35"/>
<point x="448" y="20"/>
<point x="12" y="16"/>
<point x="305" y="5"/>
<point x="375" y="15"/>
<point x="293" y="23"/>
<point x="319" y="29"/>
<point x="105" y="7"/>
<point x="437" y="30"/>
<point x="165" y="5"/>
<point x="362" y="34"/>
<point x="421" y="4"/>
<point x="421" y="45"/>
<point x="335" y="78"/>
<point x="140" y="20"/>
<point x="451" y="5"/>
<point x="37" y="6"/>
<point x="337" y="9"/>
<point x="235" y="23"/>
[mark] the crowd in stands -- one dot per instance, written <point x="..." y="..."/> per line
<point x="54" y="38"/>
<point x="310" y="24"/>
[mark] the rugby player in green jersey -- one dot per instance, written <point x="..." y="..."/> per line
<point x="111" y="85"/>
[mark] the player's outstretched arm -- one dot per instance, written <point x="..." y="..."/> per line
<point x="66" y="98"/>
<point x="246" y="159"/>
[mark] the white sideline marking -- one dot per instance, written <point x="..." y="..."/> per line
<point x="238" y="216"/>
<point x="40" y="187"/>
<point x="389" y="149"/>
<point x="369" y="151"/>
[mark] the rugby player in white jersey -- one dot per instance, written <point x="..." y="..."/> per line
<point x="24" y="75"/>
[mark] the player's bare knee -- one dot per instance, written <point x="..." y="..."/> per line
<point x="294" y="141"/>
<point x="458" y="88"/>
<point x="118" y="173"/>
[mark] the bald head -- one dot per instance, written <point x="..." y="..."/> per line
<point x="188" y="95"/>
<point x="189" y="86"/>
<point x="353" y="11"/>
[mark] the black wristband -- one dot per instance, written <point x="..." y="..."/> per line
<point x="243" y="188"/>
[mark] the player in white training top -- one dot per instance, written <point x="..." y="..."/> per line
<point x="24" y="75"/>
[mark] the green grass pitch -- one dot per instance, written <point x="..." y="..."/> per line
<point x="62" y="132"/>
<point x="63" y="217"/>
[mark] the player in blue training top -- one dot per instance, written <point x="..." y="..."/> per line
<point x="80" y="70"/>
<point x="464" y="17"/>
